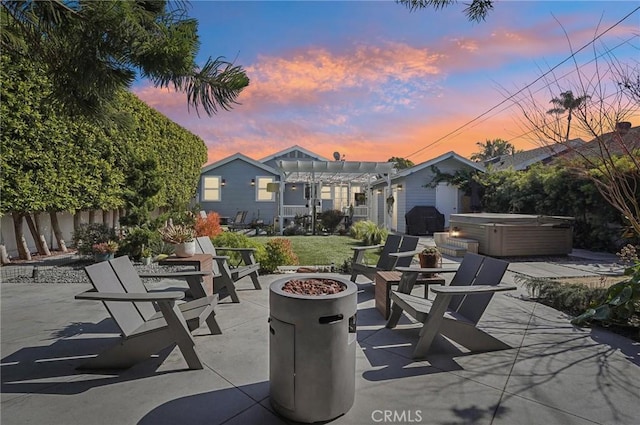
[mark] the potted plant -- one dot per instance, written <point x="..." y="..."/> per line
<point x="182" y="236"/>
<point x="430" y="257"/>
<point x="104" y="250"/>
<point x="145" y="256"/>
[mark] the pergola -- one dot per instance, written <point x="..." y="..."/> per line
<point x="329" y="172"/>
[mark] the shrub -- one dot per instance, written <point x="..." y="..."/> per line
<point x="331" y="219"/>
<point x="137" y="238"/>
<point x="238" y="240"/>
<point x="209" y="226"/>
<point x="368" y="232"/>
<point x="88" y="235"/>
<point x="278" y="253"/>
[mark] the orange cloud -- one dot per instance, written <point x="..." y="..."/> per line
<point x="371" y="102"/>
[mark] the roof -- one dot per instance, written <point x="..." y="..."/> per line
<point x="332" y="171"/>
<point x="614" y="142"/>
<point x="241" y="157"/>
<point x="524" y="159"/>
<point x="293" y="149"/>
<point x="449" y="155"/>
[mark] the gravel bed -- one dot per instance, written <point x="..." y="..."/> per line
<point x="74" y="272"/>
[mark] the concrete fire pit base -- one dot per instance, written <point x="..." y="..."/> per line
<point x="312" y="351"/>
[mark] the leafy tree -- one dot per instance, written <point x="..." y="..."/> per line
<point x="477" y="10"/>
<point x="567" y="102"/>
<point x="491" y="149"/>
<point x="611" y="159"/>
<point x="92" y="49"/>
<point x="401" y="163"/>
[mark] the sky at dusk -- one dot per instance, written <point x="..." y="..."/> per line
<point x="373" y="80"/>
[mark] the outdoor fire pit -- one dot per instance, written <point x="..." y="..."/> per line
<point x="312" y="346"/>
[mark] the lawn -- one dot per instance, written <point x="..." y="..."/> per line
<point x="323" y="250"/>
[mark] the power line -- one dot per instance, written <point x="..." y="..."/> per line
<point x="527" y="86"/>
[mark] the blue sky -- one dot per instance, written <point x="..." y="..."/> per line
<point x="374" y="80"/>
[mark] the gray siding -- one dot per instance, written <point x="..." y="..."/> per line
<point x="238" y="194"/>
<point x="294" y="155"/>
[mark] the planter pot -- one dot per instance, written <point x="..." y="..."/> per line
<point x="186" y="249"/>
<point x="146" y="261"/>
<point x="429" y="260"/>
<point x="102" y="257"/>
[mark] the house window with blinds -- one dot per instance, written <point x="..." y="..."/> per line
<point x="262" y="194"/>
<point x="211" y="189"/>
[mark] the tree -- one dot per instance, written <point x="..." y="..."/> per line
<point x="92" y="49"/>
<point x="491" y="149"/>
<point x="477" y="10"/>
<point x="611" y="160"/>
<point x="401" y="163"/>
<point x="567" y="102"/>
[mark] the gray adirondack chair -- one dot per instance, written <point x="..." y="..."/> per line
<point x="238" y="221"/>
<point x="229" y="275"/>
<point x="457" y="308"/>
<point x="394" y="244"/>
<point x="144" y="331"/>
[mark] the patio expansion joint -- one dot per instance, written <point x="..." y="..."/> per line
<point x="504" y="392"/>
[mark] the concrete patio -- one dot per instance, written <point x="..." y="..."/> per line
<point x="554" y="374"/>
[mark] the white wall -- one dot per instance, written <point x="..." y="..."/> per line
<point x="65" y="219"/>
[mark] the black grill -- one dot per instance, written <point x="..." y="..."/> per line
<point x="423" y="220"/>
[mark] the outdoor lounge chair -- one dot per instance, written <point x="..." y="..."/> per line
<point x="144" y="331"/>
<point x="386" y="262"/>
<point x="457" y="308"/>
<point x="229" y="275"/>
<point x="238" y="222"/>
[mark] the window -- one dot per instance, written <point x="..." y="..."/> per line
<point x="211" y="188"/>
<point x="325" y="192"/>
<point x="262" y="195"/>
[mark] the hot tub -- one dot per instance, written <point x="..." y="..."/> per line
<point x="513" y="235"/>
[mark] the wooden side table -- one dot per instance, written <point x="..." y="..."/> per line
<point x="384" y="281"/>
<point x="202" y="262"/>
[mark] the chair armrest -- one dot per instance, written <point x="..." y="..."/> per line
<point x="94" y="295"/>
<point x="222" y="248"/>
<point x="426" y="270"/>
<point x="404" y="254"/>
<point x="175" y="274"/>
<point x="221" y="257"/>
<point x="470" y="290"/>
<point x="362" y="248"/>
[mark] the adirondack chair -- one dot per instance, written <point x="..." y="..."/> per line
<point x="386" y="262"/>
<point x="145" y="331"/>
<point x="193" y="310"/>
<point x="457" y="308"/>
<point x="238" y="222"/>
<point x="229" y="275"/>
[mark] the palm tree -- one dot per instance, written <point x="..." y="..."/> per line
<point x="92" y="49"/>
<point x="567" y="103"/>
<point x="493" y="148"/>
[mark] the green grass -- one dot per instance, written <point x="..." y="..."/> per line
<point x="323" y="250"/>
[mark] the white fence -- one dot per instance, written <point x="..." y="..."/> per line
<point x="65" y="220"/>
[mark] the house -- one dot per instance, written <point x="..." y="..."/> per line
<point x="409" y="188"/>
<point x="524" y="159"/>
<point x="291" y="183"/>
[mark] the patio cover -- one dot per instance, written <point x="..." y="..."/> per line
<point x="332" y="171"/>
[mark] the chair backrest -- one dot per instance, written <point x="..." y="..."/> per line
<point x="125" y="314"/>
<point x="490" y="273"/>
<point x="466" y="273"/>
<point x="205" y="246"/>
<point x="409" y="243"/>
<point x="240" y="217"/>
<point x="391" y="245"/>
<point x="132" y="284"/>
